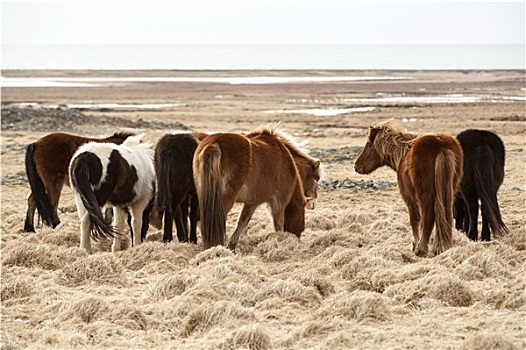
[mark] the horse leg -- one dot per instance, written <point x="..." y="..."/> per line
<point x="242" y="222"/>
<point x="415" y="220"/>
<point x="428" y="221"/>
<point x="137" y="211"/>
<point x="85" y="239"/>
<point x="167" y="233"/>
<point x="181" y="220"/>
<point x="120" y="219"/>
<point x="194" y="216"/>
<point x="29" y="225"/>
<point x="473" y="213"/>
<point x="54" y="192"/>
<point x="278" y="214"/>
<point x="485" y="233"/>
<point x="146" y="221"/>
<point x="459" y="212"/>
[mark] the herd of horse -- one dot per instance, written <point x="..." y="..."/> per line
<point x="192" y="178"/>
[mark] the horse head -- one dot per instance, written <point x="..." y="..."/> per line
<point x="369" y="159"/>
<point x="310" y="175"/>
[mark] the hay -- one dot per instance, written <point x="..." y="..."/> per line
<point x="251" y="337"/>
<point x="45" y="256"/>
<point x="489" y="342"/>
<point x="99" y="268"/>
<point x="207" y="316"/>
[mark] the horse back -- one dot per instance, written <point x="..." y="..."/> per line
<point x="273" y="169"/>
<point x="235" y="156"/>
<point x="53" y="153"/>
<point x="482" y="143"/>
<point x="421" y="157"/>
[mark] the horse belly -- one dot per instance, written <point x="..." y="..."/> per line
<point x="243" y="196"/>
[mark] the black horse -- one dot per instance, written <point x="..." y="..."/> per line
<point x="484" y="158"/>
<point x="176" y="194"/>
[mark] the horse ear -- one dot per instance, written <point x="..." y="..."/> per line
<point x="316" y="165"/>
<point x="372" y="133"/>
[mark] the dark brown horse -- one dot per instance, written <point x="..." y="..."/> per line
<point x="176" y="196"/>
<point x="254" y="169"/>
<point x="47" y="162"/>
<point x="484" y="158"/>
<point x="429" y="169"/>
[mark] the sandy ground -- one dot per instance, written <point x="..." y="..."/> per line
<point x="351" y="281"/>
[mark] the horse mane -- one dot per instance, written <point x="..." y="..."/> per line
<point x="122" y="135"/>
<point x="391" y="142"/>
<point x="286" y="139"/>
<point x="136" y="141"/>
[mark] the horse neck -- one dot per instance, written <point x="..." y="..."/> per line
<point x="394" y="148"/>
<point x="113" y="139"/>
<point x="303" y="161"/>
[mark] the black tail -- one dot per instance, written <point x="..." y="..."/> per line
<point x="163" y="196"/>
<point x="46" y="210"/>
<point x="80" y="179"/>
<point x="486" y="186"/>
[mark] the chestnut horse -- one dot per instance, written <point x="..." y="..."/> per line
<point x="176" y="196"/>
<point x="47" y="162"/>
<point x="484" y="158"/>
<point x="254" y="169"/>
<point x="429" y="169"/>
<point x="120" y="175"/>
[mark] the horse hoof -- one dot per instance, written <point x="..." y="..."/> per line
<point x="421" y="253"/>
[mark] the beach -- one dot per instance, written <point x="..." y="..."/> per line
<point x="351" y="281"/>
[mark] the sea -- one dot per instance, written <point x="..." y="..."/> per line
<point x="263" y="57"/>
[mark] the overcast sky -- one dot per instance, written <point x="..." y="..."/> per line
<point x="263" y="22"/>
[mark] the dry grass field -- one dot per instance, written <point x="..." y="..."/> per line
<point x="351" y="281"/>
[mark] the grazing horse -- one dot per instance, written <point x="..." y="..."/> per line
<point x="254" y="169"/>
<point x="120" y="175"/>
<point x="429" y="169"/>
<point x="47" y="162"/>
<point x="176" y="193"/>
<point x="484" y="158"/>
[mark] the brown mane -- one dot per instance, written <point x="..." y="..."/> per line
<point x="392" y="142"/>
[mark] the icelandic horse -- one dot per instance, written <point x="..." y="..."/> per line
<point x="119" y="175"/>
<point x="261" y="167"/>
<point x="429" y="169"/>
<point x="47" y="162"/>
<point x="176" y="196"/>
<point x="484" y="157"/>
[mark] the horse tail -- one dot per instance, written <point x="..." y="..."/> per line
<point x="210" y="195"/>
<point x="486" y="186"/>
<point x="445" y="174"/>
<point x="80" y="179"/>
<point x="163" y="196"/>
<point x="46" y="210"/>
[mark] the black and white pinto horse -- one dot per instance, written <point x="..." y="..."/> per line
<point x="122" y="176"/>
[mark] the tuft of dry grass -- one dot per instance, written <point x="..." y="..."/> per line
<point x="99" y="268"/>
<point x="251" y="337"/>
<point x="207" y="316"/>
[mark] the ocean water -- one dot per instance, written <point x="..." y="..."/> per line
<point x="262" y="57"/>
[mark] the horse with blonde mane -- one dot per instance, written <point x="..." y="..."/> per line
<point x="264" y="166"/>
<point x="429" y="169"/>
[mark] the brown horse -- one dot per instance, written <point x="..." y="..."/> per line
<point x="254" y="169"/>
<point x="47" y="162"/>
<point x="429" y="169"/>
